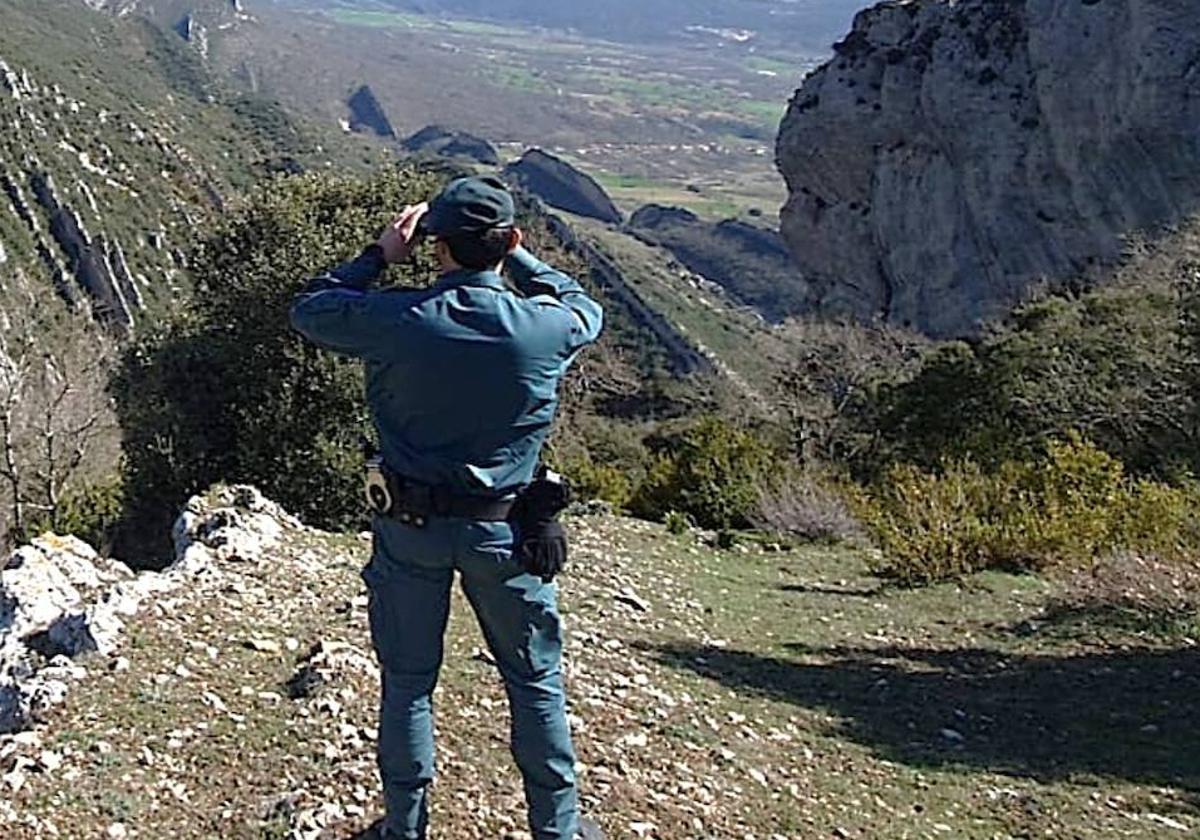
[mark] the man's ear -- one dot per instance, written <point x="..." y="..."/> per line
<point x="515" y="237"/>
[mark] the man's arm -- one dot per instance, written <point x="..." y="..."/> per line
<point x="532" y="278"/>
<point x="339" y="311"/>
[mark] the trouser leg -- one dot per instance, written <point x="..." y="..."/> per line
<point x="408" y="610"/>
<point x="519" y="617"/>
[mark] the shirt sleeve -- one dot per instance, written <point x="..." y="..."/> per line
<point x="339" y="311"/>
<point x="532" y="278"/>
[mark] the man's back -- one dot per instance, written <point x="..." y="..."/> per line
<point x="462" y="378"/>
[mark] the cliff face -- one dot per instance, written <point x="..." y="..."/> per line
<point x="367" y="115"/>
<point x="750" y="263"/>
<point x="953" y="155"/>
<point x="563" y="186"/>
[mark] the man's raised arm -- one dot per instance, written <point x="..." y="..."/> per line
<point x="339" y="310"/>
<point x="532" y="278"/>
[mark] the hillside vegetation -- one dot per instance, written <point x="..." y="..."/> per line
<point x="879" y="585"/>
<point x="714" y="695"/>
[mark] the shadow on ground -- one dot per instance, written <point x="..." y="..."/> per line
<point x="829" y="589"/>
<point x="1132" y="715"/>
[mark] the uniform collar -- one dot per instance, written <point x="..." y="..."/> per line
<point x="466" y="277"/>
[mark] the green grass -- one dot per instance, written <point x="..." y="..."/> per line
<point x="394" y="20"/>
<point x="764" y="693"/>
<point x="382" y="20"/>
<point x="763" y="112"/>
<point x="516" y="78"/>
<point x="611" y="181"/>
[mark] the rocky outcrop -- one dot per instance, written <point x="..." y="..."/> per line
<point x="190" y="29"/>
<point x="60" y="600"/>
<point x="446" y="142"/>
<point x="562" y="186"/>
<point x="952" y="155"/>
<point x="750" y="263"/>
<point x="367" y="115"/>
<point x="87" y="260"/>
<point x="684" y="358"/>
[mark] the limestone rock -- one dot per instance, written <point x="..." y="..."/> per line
<point x="563" y="186"/>
<point x="367" y="115"/>
<point x="59" y="599"/>
<point x="446" y="142"/>
<point x="750" y="263"/>
<point x="228" y="523"/>
<point x="954" y="154"/>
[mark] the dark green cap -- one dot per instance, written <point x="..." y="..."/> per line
<point x="470" y="205"/>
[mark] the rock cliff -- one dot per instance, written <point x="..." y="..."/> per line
<point x="367" y="115"/>
<point x="750" y="263"/>
<point x="447" y="142"/>
<point x="563" y="186"/>
<point x="953" y="155"/>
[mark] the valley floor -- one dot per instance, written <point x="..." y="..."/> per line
<point x="744" y="694"/>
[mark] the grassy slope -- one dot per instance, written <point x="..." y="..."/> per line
<point x="750" y="351"/>
<point x="148" y="112"/>
<point x="761" y="695"/>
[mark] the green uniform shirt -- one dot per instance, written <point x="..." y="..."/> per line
<point x="463" y="377"/>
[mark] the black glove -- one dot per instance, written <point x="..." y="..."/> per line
<point x="542" y="549"/>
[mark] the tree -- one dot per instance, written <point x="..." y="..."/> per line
<point x="225" y="391"/>
<point x="57" y="423"/>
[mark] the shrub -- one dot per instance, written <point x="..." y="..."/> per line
<point x="93" y="512"/>
<point x="1111" y="364"/>
<point x="711" y="472"/>
<point x="805" y="504"/>
<point x="1066" y="508"/>
<point x="90" y="512"/>
<point x="227" y="392"/>
<point x="677" y="523"/>
<point x="604" y="482"/>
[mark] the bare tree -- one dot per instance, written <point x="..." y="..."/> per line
<point x="57" y="427"/>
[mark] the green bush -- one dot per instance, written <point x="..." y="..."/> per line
<point x="604" y="482"/>
<point x="226" y="391"/>
<point x="90" y="512"/>
<point x="1066" y="508"/>
<point x="677" y="523"/>
<point x="1110" y="364"/>
<point x="711" y="472"/>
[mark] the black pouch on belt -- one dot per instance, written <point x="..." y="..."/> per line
<point x="541" y="546"/>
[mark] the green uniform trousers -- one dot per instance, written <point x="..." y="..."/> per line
<point x="409" y="579"/>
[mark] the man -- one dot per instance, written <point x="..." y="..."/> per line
<point x="462" y="383"/>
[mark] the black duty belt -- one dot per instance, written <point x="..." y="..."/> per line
<point x="415" y="503"/>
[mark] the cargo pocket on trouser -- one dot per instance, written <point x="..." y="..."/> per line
<point x="519" y="618"/>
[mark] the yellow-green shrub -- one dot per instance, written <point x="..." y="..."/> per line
<point x="604" y="482"/>
<point x="90" y="512"/>
<point x="711" y="472"/>
<point x="1068" y="507"/>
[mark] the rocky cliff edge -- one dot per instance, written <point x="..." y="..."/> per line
<point x="952" y="155"/>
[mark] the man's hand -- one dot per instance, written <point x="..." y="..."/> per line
<point x="400" y="238"/>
